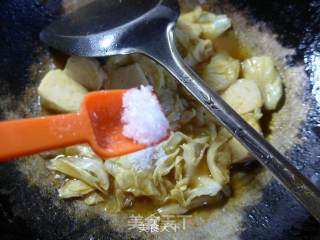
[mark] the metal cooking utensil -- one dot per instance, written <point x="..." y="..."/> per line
<point x="105" y="28"/>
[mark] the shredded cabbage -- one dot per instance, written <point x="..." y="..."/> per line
<point x="263" y="71"/>
<point x="74" y="188"/>
<point x="81" y="150"/>
<point x="199" y="52"/>
<point x="192" y="167"/>
<point x="139" y="183"/>
<point x="172" y="209"/>
<point x="90" y="171"/>
<point x="243" y="96"/>
<point x="221" y="72"/>
<point x="206" y="186"/>
<point x="93" y="199"/>
<point x="195" y="32"/>
<point x="213" y="26"/>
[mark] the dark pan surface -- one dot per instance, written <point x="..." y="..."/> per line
<point x="27" y="214"/>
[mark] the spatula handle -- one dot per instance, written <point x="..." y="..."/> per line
<point x="29" y="136"/>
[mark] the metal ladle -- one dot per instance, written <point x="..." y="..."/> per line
<point x="105" y="28"/>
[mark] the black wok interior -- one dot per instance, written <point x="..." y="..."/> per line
<point x="277" y="216"/>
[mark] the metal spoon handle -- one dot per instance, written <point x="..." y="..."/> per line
<point x="304" y="191"/>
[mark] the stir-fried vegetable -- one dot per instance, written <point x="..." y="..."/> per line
<point x="90" y="171"/>
<point x="74" y="188"/>
<point x="243" y="96"/>
<point x="199" y="52"/>
<point x="192" y="167"/>
<point x="221" y="72"/>
<point x="262" y="70"/>
<point x="195" y="33"/>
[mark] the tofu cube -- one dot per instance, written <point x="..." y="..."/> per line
<point x="61" y="93"/>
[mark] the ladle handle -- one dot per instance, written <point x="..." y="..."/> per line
<point x="29" y="136"/>
<point x="304" y="191"/>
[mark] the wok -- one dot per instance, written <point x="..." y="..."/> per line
<point x="288" y="30"/>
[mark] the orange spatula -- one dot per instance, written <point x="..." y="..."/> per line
<point x="98" y="123"/>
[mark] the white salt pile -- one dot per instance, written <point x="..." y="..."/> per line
<point x="142" y="117"/>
